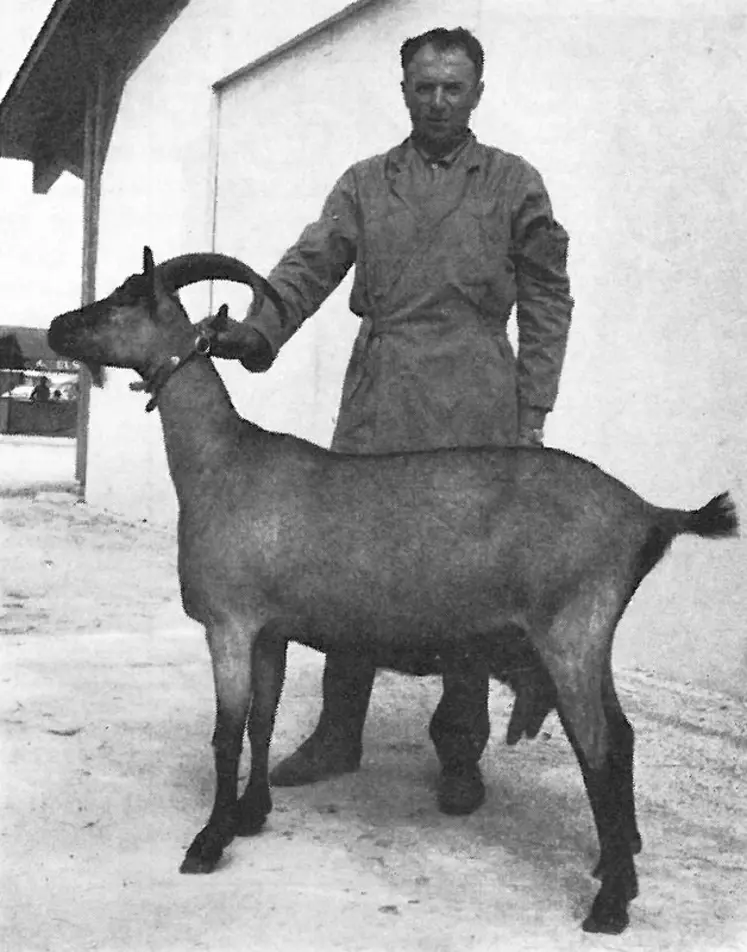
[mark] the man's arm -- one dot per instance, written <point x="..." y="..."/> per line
<point x="543" y="304"/>
<point x="304" y="277"/>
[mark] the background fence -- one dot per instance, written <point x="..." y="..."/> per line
<point x="38" y="419"/>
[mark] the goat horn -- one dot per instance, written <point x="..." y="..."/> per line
<point x="210" y="266"/>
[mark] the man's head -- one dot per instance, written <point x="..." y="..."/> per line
<point x="442" y="84"/>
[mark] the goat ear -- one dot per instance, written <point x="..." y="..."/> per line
<point x="147" y="260"/>
<point x="151" y="276"/>
<point x="221" y="318"/>
<point x="154" y="276"/>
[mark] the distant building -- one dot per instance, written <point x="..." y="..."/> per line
<point x="11" y="355"/>
<point x="26" y="348"/>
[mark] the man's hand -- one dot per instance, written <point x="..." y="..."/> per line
<point x="235" y="340"/>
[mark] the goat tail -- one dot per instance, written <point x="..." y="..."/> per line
<point x="716" y="520"/>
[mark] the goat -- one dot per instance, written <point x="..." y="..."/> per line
<point x="455" y="552"/>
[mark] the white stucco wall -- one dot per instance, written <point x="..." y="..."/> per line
<point x="637" y="120"/>
<point x="634" y="113"/>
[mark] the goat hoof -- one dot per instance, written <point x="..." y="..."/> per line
<point x="254" y="808"/>
<point x="609" y="911"/>
<point x="197" y="864"/>
<point x="251" y="820"/>
<point x="609" y="925"/>
<point x="205" y="852"/>
<point x="460" y="793"/>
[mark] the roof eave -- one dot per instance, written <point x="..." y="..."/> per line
<point x="43" y="114"/>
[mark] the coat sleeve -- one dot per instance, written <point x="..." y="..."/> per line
<point x="543" y="300"/>
<point x="313" y="267"/>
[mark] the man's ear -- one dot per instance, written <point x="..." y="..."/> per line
<point x="478" y="93"/>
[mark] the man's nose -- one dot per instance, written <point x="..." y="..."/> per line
<point x="439" y="99"/>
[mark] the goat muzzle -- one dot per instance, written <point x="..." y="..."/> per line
<point x="58" y="338"/>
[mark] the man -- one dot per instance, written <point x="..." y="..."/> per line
<point x="41" y="392"/>
<point x="446" y="235"/>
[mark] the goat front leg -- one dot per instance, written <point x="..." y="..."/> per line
<point x="231" y="653"/>
<point x="268" y="673"/>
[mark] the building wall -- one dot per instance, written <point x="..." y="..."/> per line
<point x="286" y="132"/>
<point x="635" y="115"/>
<point x="637" y="121"/>
<point x="157" y="190"/>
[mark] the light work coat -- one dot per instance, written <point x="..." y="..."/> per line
<point x="441" y="255"/>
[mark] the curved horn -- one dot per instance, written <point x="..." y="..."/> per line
<point x="210" y="266"/>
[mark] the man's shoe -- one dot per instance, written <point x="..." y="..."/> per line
<point x="460" y="792"/>
<point x="316" y="759"/>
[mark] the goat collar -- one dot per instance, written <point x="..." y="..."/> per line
<point x="155" y="383"/>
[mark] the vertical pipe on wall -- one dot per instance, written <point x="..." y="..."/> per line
<point x="213" y="182"/>
<point x="92" y="162"/>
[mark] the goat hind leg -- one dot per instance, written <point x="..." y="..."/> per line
<point x="621" y="763"/>
<point x="231" y="652"/>
<point x="268" y="674"/>
<point x="576" y="653"/>
<point x="616" y="869"/>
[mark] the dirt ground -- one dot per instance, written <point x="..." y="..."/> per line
<point x="107" y="708"/>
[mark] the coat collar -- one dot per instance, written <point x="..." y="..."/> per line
<point x="426" y="220"/>
<point x="472" y="156"/>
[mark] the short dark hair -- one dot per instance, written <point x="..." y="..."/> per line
<point x="441" y="40"/>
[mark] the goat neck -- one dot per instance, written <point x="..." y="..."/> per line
<point x="201" y="427"/>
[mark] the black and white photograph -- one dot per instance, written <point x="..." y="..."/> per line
<point x="373" y="476"/>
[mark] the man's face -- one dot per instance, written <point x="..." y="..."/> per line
<point x="440" y="91"/>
